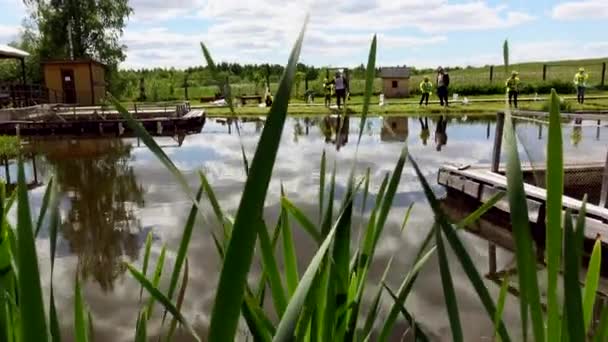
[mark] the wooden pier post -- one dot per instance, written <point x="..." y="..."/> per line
<point x="491" y="73"/>
<point x="7" y="171"/>
<point x="544" y="72"/>
<point x="34" y="169"/>
<point x="603" y="74"/>
<point x="604" y="190"/>
<point x="492" y="257"/>
<point x="500" y="124"/>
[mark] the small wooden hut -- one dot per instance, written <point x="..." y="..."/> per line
<point x="395" y="82"/>
<point x="81" y="82"/>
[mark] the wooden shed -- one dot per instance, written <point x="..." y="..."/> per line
<point x="394" y="129"/>
<point x="395" y="82"/>
<point x="80" y="81"/>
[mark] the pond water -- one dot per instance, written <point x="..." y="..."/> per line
<point x="115" y="192"/>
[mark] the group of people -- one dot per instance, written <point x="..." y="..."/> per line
<point x="513" y="85"/>
<point x="339" y="86"/>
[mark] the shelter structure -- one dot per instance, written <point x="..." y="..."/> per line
<point x="79" y="82"/>
<point x="395" y="82"/>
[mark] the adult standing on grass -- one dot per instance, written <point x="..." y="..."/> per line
<point x="327" y="87"/>
<point x="425" y="87"/>
<point x="341" y="87"/>
<point x="580" y="82"/>
<point x="443" y="82"/>
<point x="512" y="85"/>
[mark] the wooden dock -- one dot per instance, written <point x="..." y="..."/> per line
<point x="179" y="120"/>
<point x="479" y="183"/>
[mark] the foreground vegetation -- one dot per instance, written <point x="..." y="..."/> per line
<point x="324" y="301"/>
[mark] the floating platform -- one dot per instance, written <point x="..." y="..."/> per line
<point x="95" y="122"/>
<point x="479" y="184"/>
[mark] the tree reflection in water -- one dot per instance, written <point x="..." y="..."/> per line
<point x="101" y="225"/>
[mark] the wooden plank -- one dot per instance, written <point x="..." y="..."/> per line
<point x="471" y="188"/>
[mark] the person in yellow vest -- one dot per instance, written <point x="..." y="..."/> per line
<point x="425" y="88"/>
<point x="327" y="87"/>
<point x="512" y="85"/>
<point x="580" y="82"/>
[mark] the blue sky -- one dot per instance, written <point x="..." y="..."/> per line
<point x="413" y="32"/>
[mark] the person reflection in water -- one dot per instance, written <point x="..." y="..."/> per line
<point x="441" y="135"/>
<point x="335" y="130"/>
<point x="577" y="132"/>
<point x="424" y="130"/>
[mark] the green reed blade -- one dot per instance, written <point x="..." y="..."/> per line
<point x="254" y="321"/>
<point x="478" y="213"/>
<point x="288" y="323"/>
<point x="370" y="75"/>
<point x="239" y="254"/>
<point x="146" y="259"/>
<point x="554" y="234"/>
<point x="10" y="201"/>
<point x="448" y="287"/>
<point x="572" y="290"/>
<point x="45" y="204"/>
<point x="275" y="238"/>
<point x="141" y="333"/>
<point x="526" y="259"/>
<point x="591" y="282"/>
<point x="289" y="251"/>
<point x="329" y="211"/>
<point x="54" y="223"/>
<point x="180" y="300"/>
<point x="302" y="219"/>
<point x="217" y="209"/>
<point x="81" y="326"/>
<point x="183" y="246"/>
<point x="419" y="335"/>
<point x="160" y="265"/>
<point x="505" y="54"/>
<point x="460" y="251"/>
<point x="406" y="287"/>
<point x="322" y="185"/>
<point x="53" y="320"/>
<point x="500" y="304"/>
<point x="33" y="320"/>
<point x="271" y="270"/>
<point x="365" y="191"/>
<point x="601" y="333"/>
<point x="162" y="299"/>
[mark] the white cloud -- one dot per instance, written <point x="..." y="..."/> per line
<point x="8" y="33"/>
<point x="588" y="9"/>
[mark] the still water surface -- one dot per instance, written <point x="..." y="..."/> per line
<point x="115" y="192"/>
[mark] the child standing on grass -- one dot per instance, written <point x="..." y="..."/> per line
<point x="425" y="87"/>
<point x="580" y="82"/>
<point x="513" y="88"/>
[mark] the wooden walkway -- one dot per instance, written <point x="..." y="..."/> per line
<point x="481" y="184"/>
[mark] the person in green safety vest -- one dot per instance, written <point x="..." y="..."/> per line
<point x="512" y="85"/>
<point x="580" y="82"/>
<point x="425" y="88"/>
<point x="327" y="87"/>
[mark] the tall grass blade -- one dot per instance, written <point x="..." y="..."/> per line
<point x="500" y="305"/>
<point x="141" y="330"/>
<point x="183" y="246"/>
<point x="573" y="300"/>
<point x="370" y="75"/>
<point x="526" y="259"/>
<point x="162" y="299"/>
<point x="34" y="326"/>
<point x="448" y="287"/>
<point x="221" y="218"/>
<point x="505" y="54"/>
<point x="180" y="301"/>
<point x="230" y="291"/>
<point x="460" y="251"/>
<point x="329" y="211"/>
<point x="302" y="219"/>
<point x="81" y="324"/>
<point x="160" y="265"/>
<point x="322" y="185"/>
<point x="419" y="335"/>
<point x="256" y="320"/>
<point x="601" y="334"/>
<point x="147" y="139"/>
<point x="147" y="250"/>
<point x="45" y="204"/>
<point x="592" y="282"/>
<point x="53" y="320"/>
<point x="289" y="252"/>
<point x="478" y="213"/>
<point x="288" y="323"/>
<point x="555" y="189"/>
<point x="271" y="270"/>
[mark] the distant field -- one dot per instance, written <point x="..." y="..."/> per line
<point x="466" y="81"/>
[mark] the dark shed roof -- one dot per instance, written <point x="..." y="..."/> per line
<point x="395" y="72"/>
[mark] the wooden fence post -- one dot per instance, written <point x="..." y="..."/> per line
<point x="491" y="73"/>
<point x="500" y="124"/>
<point x="603" y="74"/>
<point x="544" y="72"/>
